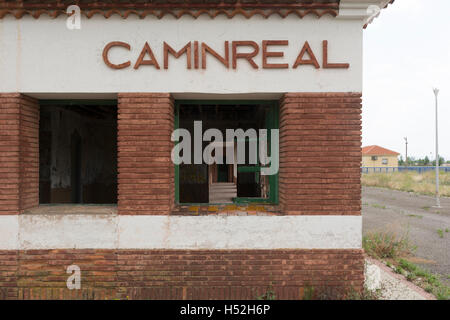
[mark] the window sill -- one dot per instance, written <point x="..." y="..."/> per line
<point x="226" y="210"/>
<point x="69" y="209"/>
<point x="179" y="210"/>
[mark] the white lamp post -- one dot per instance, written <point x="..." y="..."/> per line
<point x="438" y="203"/>
<point x="406" y="156"/>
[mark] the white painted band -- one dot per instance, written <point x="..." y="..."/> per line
<point x="82" y="231"/>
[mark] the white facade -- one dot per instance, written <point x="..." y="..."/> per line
<point x="43" y="58"/>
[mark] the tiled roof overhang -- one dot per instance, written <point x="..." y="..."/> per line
<point x="176" y="8"/>
<point x="376" y="16"/>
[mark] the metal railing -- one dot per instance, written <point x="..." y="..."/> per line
<point x="401" y="169"/>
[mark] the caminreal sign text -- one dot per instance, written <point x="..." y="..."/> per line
<point x="266" y="55"/>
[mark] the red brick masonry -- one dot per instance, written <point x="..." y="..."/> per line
<point x="320" y="154"/>
<point x="180" y="274"/>
<point x="146" y="172"/>
<point x="19" y="153"/>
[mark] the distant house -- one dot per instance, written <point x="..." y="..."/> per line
<point x="378" y="157"/>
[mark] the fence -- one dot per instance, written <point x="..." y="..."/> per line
<point x="401" y="169"/>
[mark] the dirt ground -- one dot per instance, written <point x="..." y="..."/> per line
<point x="403" y="212"/>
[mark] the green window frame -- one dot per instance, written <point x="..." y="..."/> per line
<point x="272" y="122"/>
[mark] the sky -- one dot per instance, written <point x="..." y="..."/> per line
<point x="406" y="54"/>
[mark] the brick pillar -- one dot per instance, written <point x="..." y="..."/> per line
<point x="19" y="153"/>
<point x="320" y="153"/>
<point x="145" y="170"/>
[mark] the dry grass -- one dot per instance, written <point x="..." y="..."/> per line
<point x="393" y="250"/>
<point x="387" y="245"/>
<point x="423" y="183"/>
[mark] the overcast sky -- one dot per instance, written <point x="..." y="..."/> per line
<point x="406" y="53"/>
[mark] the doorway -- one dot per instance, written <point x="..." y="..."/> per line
<point x="222" y="174"/>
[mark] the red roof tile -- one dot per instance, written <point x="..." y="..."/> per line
<point x="378" y="151"/>
<point x="176" y="8"/>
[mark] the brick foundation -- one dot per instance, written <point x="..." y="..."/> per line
<point x="320" y="153"/>
<point x="145" y="169"/>
<point x="180" y="274"/>
<point x="8" y="274"/>
<point x="19" y="153"/>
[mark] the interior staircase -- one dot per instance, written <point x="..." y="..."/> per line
<point x="222" y="192"/>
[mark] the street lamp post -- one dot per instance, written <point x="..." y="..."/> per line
<point x="406" y="156"/>
<point x="438" y="203"/>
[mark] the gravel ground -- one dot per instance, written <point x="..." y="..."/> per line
<point x="393" y="286"/>
<point x="403" y="212"/>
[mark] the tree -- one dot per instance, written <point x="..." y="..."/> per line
<point x="441" y="161"/>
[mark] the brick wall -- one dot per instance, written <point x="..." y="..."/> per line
<point x="237" y="274"/>
<point x="19" y="153"/>
<point x="320" y="140"/>
<point x="29" y="153"/>
<point x="181" y="274"/>
<point x="145" y="169"/>
<point x="8" y="274"/>
<point x="320" y="153"/>
<point x="42" y="274"/>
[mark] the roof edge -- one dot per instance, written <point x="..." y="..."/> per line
<point x="176" y="9"/>
<point x="364" y="10"/>
<point x="166" y="5"/>
<point x="18" y="14"/>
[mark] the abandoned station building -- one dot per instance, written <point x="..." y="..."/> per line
<point x="93" y="99"/>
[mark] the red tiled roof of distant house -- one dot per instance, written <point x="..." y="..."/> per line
<point x="378" y="151"/>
